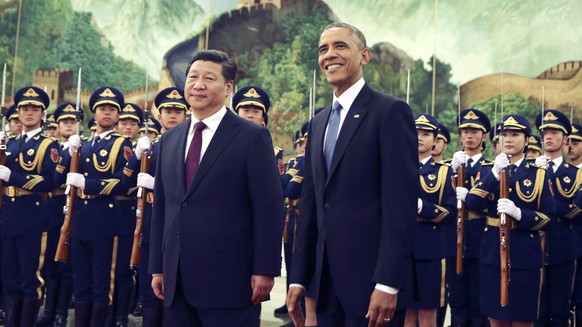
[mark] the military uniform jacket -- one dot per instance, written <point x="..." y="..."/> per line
<point x="562" y="238"/>
<point x="130" y="173"/>
<point x="292" y="168"/>
<point x="102" y="165"/>
<point x="529" y="189"/>
<point x="32" y="164"/>
<point x="438" y="208"/>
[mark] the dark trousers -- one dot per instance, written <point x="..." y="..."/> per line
<point x="146" y="293"/>
<point x="21" y="264"/>
<point x="464" y="288"/>
<point x="181" y="313"/>
<point x="556" y="293"/>
<point x="92" y="267"/>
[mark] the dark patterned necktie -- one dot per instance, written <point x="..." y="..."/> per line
<point x="193" y="158"/>
<point x="332" y="130"/>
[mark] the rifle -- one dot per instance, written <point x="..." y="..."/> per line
<point x="504" y="224"/>
<point x="4" y="139"/>
<point x="62" y="254"/>
<point x="461" y="212"/>
<point x="141" y="192"/>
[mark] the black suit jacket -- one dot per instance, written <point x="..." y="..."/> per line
<point x="362" y="213"/>
<point x="226" y="226"/>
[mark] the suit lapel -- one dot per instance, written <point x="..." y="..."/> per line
<point x="180" y="148"/>
<point x="355" y="115"/>
<point x="317" y="135"/>
<point x="226" y="130"/>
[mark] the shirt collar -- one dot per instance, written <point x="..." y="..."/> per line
<point x="557" y="162"/>
<point x="349" y="96"/>
<point x="31" y="134"/>
<point x="518" y="163"/>
<point x="425" y="160"/>
<point x="211" y="121"/>
<point x="476" y="158"/>
<point x="104" y="134"/>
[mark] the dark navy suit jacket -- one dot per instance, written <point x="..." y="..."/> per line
<point x="227" y="225"/>
<point x="362" y="213"/>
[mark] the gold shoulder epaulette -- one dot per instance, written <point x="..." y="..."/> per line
<point x="486" y="163"/>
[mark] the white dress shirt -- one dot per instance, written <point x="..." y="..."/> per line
<point x="212" y="123"/>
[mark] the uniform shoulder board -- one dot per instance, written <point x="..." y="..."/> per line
<point x="533" y="165"/>
<point x="487" y="163"/>
<point x="447" y="161"/>
<point x="443" y="163"/>
<point x="115" y="134"/>
<point x="277" y="149"/>
<point x="84" y="138"/>
<point x="54" y="139"/>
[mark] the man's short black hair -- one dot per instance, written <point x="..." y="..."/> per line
<point x="229" y="67"/>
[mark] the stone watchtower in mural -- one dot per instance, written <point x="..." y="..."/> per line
<point x="277" y="3"/>
<point x="55" y="82"/>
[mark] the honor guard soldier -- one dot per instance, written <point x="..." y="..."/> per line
<point x="494" y="138"/>
<point x="528" y="208"/>
<point x="464" y="287"/>
<point x="31" y="159"/>
<point x="575" y="146"/>
<point x="13" y="121"/>
<point x="436" y="206"/>
<point x="128" y="125"/>
<point x="561" y="239"/>
<point x="441" y="143"/>
<point x="172" y="107"/>
<point x="252" y="103"/>
<point x="92" y="127"/>
<point x="58" y="276"/>
<point x="97" y="216"/>
<point x="51" y="126"/>
<point x="154" y="129"/>
<point x="534" y="149"/>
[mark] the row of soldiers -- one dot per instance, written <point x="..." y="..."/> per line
<point x="543" y="209"/>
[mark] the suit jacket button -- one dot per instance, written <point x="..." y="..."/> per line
<point x="184" y="204"/>
<point x="327" y="206"/>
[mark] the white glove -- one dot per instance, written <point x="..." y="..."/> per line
<point x="4" y="173"/>
<point x="501" y="161"/>
<point x="419" y="206"/>
<point x="143" y="144"/>
<point x="462" y="193"/>
<point x="74" y="143"/>
<point x="507" y="207"/>
<point x="459" y="158"/>
<point x="542" y="161"/>
<point x="2" y="135"/>
<point x="145" y="180"/>
<point x="76" y="179"/>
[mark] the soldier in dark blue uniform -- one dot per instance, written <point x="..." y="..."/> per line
<point x="27" y="176"/>
<point x="128" y="125"/>
<point x="561" y="239"/>
<point x="59" y="275"/>
<point x="436" y="207"/>
<point x="154" y="128"/>
<point x="575" y="146"/>
<point x="529" y="208"/>
<point x="51" y="126"/>
<point x="534" y="148"/>
<point x="172" y="108"/>
<point x="441" y="143"/>
<point x="252" y="103"/>
<point x="13" y="121"/>
<point x="92" y="127"/>
<point x="97" y="215"/>
<point x="464" y="287"/>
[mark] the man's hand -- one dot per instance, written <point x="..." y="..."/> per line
<point x="293" y="303"/>
<point x="381" y="309"/>
<point x="158" y="286"/>
<point x="261" y="285"/>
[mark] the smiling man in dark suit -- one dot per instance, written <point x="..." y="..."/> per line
<point x="216" y="227"/>
<point x="359" y="201"/>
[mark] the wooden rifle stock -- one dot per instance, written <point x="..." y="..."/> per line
<point x="461" y="213"/>
<point x="139" y="214"/>
<point x="62" y="254"/>
<point x="504" y="228"/>
<point x="288" y="209"/>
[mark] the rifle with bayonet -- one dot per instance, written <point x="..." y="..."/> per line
<point x="4" y="139"/>
<point x="141" y="192"/>
<point x="62" y="254"/>
<point x="504" y="223"/>
<point x="461" y="212"/>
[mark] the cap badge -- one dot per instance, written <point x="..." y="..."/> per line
<point x="107" y="93"/>
<point x="174" y="95"/>
<point x="128" y="108"/>
<point x="422" y="119"/>
<point x="30" y="93"/>
<point x="510" y="121"/>
<point x="252" y="93"/>
<point x="69" y="108"/>
<point x="550" y="116"/>
<point x="471" y="115"/>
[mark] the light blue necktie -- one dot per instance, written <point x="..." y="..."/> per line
<point x="332" y="131"/>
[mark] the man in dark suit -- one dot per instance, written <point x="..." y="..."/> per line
<point x="216" y="227"/>
<point x="358" y="206"/>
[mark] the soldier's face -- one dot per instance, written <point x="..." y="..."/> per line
<point x="425" y="141"/>
<point x="341" y="58"/>
<point x="15" y="126"/>
<point x="67" y="127"/>
<point x="252" y="113"/>
<point x="553" y="139"/>
<point x="106" y="115"/>
<point x="575" y="151"/>
<point x="439" y="147"/>
<point x="532" y="154"/>
<point x="472" y="138"/>
<point x="128" y="127"/>
<point x="30" y="116"/>
<point x="53" y="132"/>
<point x="514" y="143"/>
<point x="206" y="89"/>
<point x="170" y="117"/>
